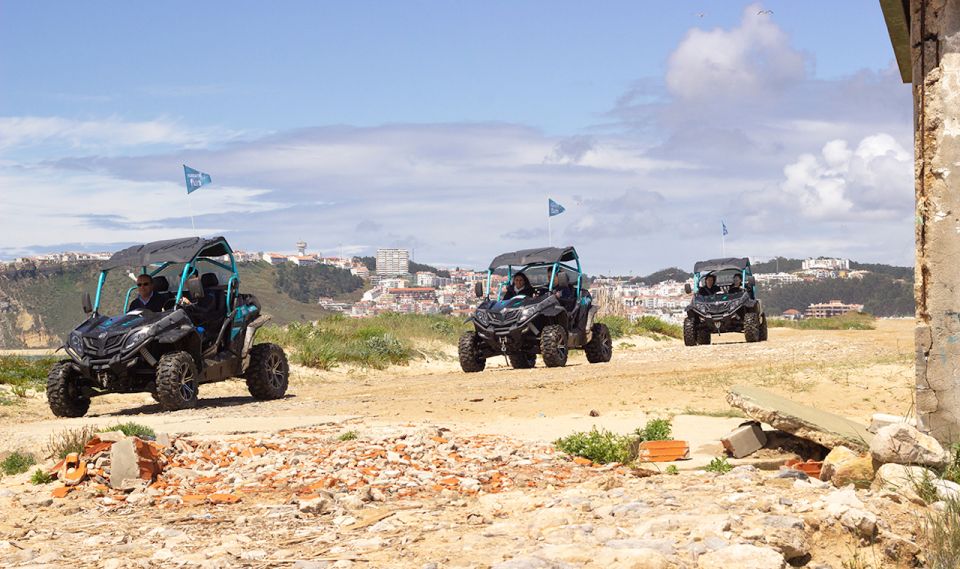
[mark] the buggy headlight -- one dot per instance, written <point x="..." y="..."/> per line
<point x="134" y="338"/>
<point x="482" y="316"/>
<point x="528" y="312"/>
<point x="76" y="344"/>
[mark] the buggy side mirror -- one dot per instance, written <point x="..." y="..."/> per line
<point x="85" y="303"/>
<point x="195" y="288"/>
<point x="478" y="289"/>
<point x="562" y="280"/>
<point x="751" y="281"/>
<point x="687" y="288"/>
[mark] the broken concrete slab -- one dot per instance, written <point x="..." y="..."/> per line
<point x="123" y="462"/>
<point x="800" y="420"/>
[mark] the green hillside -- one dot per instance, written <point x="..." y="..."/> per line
<point x="37" y="310"/>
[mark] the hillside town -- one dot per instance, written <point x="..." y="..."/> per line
<point x="392" y="287"/>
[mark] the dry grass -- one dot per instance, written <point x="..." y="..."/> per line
<point x="69" y="440"/>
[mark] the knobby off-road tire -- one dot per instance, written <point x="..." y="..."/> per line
<point x="600" y="347"/>
<point x="553" y="345"/>
<point x="703" y="336"/>
<point x="689" y="332"/>
<point x="471" y="358"/>
<point x="763" y="330"/>
<point x="269" y="373"/>
<point x="63" y="392"/>
<point x="177" y="381"/>
<point x="522" y="361"/>
<point x="751" y="326"/>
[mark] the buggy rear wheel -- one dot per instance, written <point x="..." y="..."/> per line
<point x="63" y="391"/>
<point x="269" y="373"/>
<point x="600" y="347"/>
<point x="690" y="331"/>
<point x="751" y="326"/>
<point x="553" y="345"/>
<point x="522" y="361"/>
<point x="177" y="381"/>
<point x="471" y="356"/>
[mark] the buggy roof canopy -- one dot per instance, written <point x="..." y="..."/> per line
<point x="738" y="263"/>
<point x="168" y="251"/>
<point x="541" y="255"/>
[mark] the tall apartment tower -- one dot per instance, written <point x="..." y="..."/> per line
<point x="393" y="262"/>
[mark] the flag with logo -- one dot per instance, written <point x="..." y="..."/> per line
<point x="724" y="226"/>
<point x="555" y="208"/>
<point x="195" y="178"/>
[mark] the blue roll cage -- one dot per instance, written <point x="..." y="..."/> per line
<point x="189" y="268"/>
<point x="744" y="273"/>
<point x="555" y="266"/>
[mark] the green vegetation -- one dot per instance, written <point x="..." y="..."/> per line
<point x="308" y="284"/>
<point x="60" y="444"/>
<point x="849" y="321"/>
<point x="719" y="465"/>
<point x="40" y="476"/>
<point x="377" y="342"/>
<point x="348" y="436"/>
<point x="880" y="294"/>
<point x="655" y="430"/>
<point x="649" y="326"/>
<point x="941" y="534"/>
<point x="17" y="463"/>
<point x="600" y="446"/>
<point x="24" y="372"/>
<point x="671" y="274"/>
<point x="132" y="430"/>
<point x="603" y="446"/>
<point x="672" y="470"/>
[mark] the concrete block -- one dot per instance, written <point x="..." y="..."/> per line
<point x="123" y="462"/>
<point x="881" y="420"/>
<point x="746" y="439"/>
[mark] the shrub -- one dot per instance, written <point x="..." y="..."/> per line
<point x="649" y="326"/>
<point x="132" y="430"/>
<point x="656" y="430"/>
<point x="41" y="476"/>
<point x="849" y="321"/>
<point x="59" y="445"/>
<point x="600" y="446"/>
<point x="27" y="372"/>
<point x="941" y="532"/>
<point x="719" y="465"/>
<point x="17" y="463"/>
<point x="348" y="436"/>
<point x="672" y="470"/>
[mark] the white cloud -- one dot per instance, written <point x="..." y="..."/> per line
<point x="753" y="59"/>
<point x="103" y="135"/>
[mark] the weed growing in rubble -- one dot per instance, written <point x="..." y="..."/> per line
<point x="672" y="470"/>
<point x="41" y="476"/>
<point x="941" y="532"/>
<point x="17" y="463"/>
<point x="720" y="465"/>
<point x="600" y="446"/>
<point x="59" y="445"/>
<point x="952" y="471"/>
<point x="131" y="429"/>
<point x="655" y="430"/>
<point x="348" y="436"/>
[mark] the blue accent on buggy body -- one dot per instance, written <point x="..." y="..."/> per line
<point x="554" y="266"/>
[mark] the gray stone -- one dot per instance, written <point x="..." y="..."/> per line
<point x="123" y="462"/>
<point x="742" y="556"/>
<point x="664" y="546"/>
<point x="745" y="440"/>
<point x="902" y="444"/>
<point x="901" y="479"/>
<point x="322" y="504"/>
<point x="803" y="421"/>
<point x="782" y="522"/>
<point x="111" y="436"/>
<point x="881" y="420"/>
<point x="861" y="522"/>
<point x="531" y="563"/>
<point x="792" y="543"/>
<point x="302" y="564"/>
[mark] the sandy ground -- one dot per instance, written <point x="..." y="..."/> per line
<point x="852" y="373"/>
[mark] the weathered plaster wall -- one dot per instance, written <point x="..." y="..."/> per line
<point x="935" y="40"/>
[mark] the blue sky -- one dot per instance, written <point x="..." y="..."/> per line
<point x="444" y="126"/>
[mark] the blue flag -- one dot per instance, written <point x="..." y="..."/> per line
<point x="195" y="179"/>
<point x="724" y="225"/>
<point x="555" y="208"/>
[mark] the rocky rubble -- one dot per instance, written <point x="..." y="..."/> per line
<point x="408" y="497"/>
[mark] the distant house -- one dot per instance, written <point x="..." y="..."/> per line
<point x="303" y="260"/>
<point x="830" y="309"/>
<point x="275" y="258"/>
<point x="792" y="314"/>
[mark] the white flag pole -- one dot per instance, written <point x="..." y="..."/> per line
<point x="190" y="209"/>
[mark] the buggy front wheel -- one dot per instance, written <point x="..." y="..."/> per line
<point x="553" y="346"/>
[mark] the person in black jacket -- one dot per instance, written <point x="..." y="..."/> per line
<point x="146" y="298"/>
<point x="709" y="285"/>
<point x="520" y="286"/>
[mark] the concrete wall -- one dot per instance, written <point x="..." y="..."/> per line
<point x="935" y="48"/>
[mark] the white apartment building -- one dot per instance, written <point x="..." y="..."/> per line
<point x="393" y="261"/>
<point x="827" y="264"/>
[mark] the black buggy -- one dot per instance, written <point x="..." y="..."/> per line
<point x="204" y="333"/>
<point x="557" y="314"/>
<point x="728" y="310"/>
